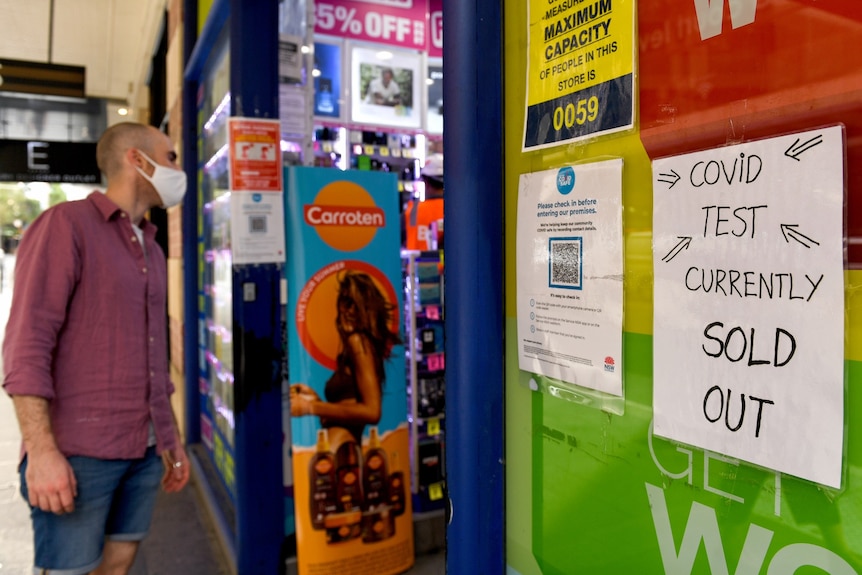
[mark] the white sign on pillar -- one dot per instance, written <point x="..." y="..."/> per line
<point x="748" y="256"/>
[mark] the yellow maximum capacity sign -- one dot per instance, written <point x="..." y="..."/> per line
<point x="580" y="66"/>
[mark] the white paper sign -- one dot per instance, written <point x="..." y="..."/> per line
<point x="257" y="227"/>
<point x="290" y="57"/>
<point x="570" y="274"/>
<point x="293" y="110"/>
<point x="749" y="302"/>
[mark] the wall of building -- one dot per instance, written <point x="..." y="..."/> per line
<point x="176" y="322"/>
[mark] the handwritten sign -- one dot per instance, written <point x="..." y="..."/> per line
<point x="749" y="302"/>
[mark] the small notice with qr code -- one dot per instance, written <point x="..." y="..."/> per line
<point x="570" y="275"/>
<point x="257" y="228"/>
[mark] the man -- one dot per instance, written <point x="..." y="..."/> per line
<point x="86" y="365"/>
<point x="384" y="91"/>
<point x="422" y="219"/>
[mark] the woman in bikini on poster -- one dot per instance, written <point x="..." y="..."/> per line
<point x="354" y="392"/>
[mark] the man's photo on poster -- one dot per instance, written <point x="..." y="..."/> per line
<point x="386" y="86"/>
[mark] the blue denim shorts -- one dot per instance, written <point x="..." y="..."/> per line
<point x="115" y="501"/>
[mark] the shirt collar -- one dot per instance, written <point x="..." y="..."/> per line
<point x="109" y="210"/>
<point x="105" y="206"/>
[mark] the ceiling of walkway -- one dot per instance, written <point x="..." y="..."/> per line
<point x="113" y="39"/>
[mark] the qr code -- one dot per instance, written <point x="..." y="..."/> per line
<point x="565" y="262"/>
<point x="257" y="224"/>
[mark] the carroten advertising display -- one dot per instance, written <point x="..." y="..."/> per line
<point x="736" y="446"/>
<point x="351" y="459"/>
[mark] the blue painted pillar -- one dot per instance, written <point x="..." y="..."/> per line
<point x="257" y="337"/>
<point x="474" y="208"/>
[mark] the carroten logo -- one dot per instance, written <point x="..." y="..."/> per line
<point x="345" y="216"/>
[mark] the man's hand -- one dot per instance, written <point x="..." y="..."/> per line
<point x="177" y="469"/>
<point x="51" y="483"/>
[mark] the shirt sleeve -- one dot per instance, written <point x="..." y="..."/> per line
<point x="47" y="270"/>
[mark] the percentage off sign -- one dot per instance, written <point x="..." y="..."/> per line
<point x="348" y="20"/>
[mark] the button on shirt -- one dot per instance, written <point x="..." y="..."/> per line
<point x="86" y="330"/>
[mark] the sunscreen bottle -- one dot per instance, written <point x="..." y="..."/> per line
<point x="396" y="488"/>
<point x="375" y="473"/>
<point x="349" y="481"/>
<point x="321" y="481"/>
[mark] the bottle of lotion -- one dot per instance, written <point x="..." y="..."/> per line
<point x="322" y="482"/>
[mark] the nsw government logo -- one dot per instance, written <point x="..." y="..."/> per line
<point x="609" y="364"/>
<point x="565" y="180"/>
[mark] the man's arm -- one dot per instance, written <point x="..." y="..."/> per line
<point x="51" y="483"/>
<point x="45" y="277"/>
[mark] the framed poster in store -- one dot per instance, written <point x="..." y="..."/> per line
<point x="386" y="87"/>
<point x="434" y="119"/>
<point x="328" y="79"/>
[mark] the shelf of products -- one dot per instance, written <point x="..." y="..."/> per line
<point x="426" y="376"/>
<point x="215" y="278"/>
<point x="365" y="150"/>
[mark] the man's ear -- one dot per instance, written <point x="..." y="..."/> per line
<point x="134" y="157"/>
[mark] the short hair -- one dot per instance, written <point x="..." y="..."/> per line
<point x="116" y="140"/>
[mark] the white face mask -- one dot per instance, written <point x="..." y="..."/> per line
<point x="170" y="184"/>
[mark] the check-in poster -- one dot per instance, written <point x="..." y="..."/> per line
<point x="256" y="204"/>
<point x="749" y="302"/>
<point x="351" y="458"/>
<point x="580" y="70"/>
<point x="570" y="275"/>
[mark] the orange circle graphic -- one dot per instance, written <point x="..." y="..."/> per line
<point x="316" y="310"/>
<point x="344" y="194"/>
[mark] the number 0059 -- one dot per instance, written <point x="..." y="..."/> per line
<point x="585" y="111"/>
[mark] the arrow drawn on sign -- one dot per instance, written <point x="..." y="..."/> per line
<point x="790" y="232"/>
<point x="684" y="242"/>
<point x="672" y="178"/>
<point x="796" y="149"/>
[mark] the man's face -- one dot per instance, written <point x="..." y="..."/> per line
<point x="162" y="152"/>
<point x="387" y="77"/>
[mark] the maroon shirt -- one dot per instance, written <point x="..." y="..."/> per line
<point x="87" y="330"/>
